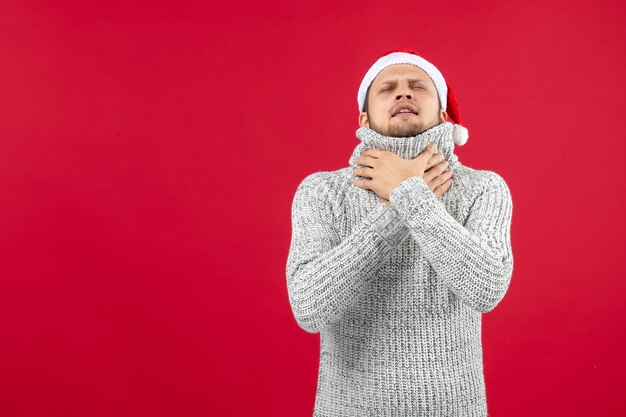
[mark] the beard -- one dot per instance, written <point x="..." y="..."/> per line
<point x="403" y="130"/>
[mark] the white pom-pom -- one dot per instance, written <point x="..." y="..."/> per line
<point x="460" y="134"/>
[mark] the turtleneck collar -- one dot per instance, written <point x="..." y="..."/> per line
<point x="407" y="147"/>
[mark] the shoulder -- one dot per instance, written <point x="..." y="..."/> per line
<point x="323" y="186"/>
<point x="324" y="181"/>
<point x="480" y="181"/>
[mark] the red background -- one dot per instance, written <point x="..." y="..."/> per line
<point x="149" y="154"/>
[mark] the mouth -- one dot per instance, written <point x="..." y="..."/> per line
<point x="404" y="110"/>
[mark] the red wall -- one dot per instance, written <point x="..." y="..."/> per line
<point x="148" y="159"/>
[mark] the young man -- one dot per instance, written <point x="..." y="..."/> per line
<point x="394" y="259"/>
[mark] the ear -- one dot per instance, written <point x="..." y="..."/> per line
<point x="363" y="120"/>
<point x="443" y="116"/>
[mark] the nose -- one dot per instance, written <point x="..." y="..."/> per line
<point x="404" y="94"/>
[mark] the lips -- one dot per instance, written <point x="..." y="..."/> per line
<point x="403" y="109"/>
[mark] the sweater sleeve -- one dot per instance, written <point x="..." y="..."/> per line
<point x="326" y="274"/>
<point x="474" y="260"/>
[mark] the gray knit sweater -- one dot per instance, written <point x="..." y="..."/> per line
<point x="397" y="293"/>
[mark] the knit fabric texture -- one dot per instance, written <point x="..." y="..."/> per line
<point x="397" y="293"/>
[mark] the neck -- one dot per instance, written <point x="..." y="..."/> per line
<point x="407" y="147"/>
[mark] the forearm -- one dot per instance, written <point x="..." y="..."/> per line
<point x="325" y="280"/>
<point x="475" y="265"/>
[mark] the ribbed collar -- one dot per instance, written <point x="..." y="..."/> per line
<point x="407" y="147"/>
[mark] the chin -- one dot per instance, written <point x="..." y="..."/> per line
<point x="412" y="129"/>
<point x="400" y="130"/>
<point x="406" y="131"/>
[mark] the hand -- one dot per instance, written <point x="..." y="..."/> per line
<point x="387" y="170"/>
<point x="437" y="177"/>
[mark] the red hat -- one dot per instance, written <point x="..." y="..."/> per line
<point x="446" y="96"/>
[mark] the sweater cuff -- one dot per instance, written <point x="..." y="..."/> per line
<point x="412" y="195"/>
<point x="388" y="223"/>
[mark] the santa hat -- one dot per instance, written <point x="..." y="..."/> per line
<point x="444" y="90"/>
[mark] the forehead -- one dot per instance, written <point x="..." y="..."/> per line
<point x="399" y="72"/>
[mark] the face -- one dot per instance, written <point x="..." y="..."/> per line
<point x="402" y="102"/>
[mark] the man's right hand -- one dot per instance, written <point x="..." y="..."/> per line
<point x="438" y="179"/>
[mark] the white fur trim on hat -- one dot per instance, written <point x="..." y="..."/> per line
<point x="404" y="58"/>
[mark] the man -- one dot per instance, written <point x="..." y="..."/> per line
<point x="394" y="259"/>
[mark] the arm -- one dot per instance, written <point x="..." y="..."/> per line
<point x="326" y="275"/>
<point x="475" y="261"/>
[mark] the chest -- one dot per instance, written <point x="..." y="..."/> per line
<point x="357" y="203"/>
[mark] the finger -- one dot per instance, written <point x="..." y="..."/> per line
<point x="376" y="153"/>
<point x="435" y="171"/>
<point x="366" y="160"/>
<point x="363" y="172"/>
<point x="367" y="184"/>
<point x="445" y="176"/>
<point x="427" y="152"/>
<point x="441" y="189"/>
<point x="438" y="180"/>
<point x="434" y="160"/>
